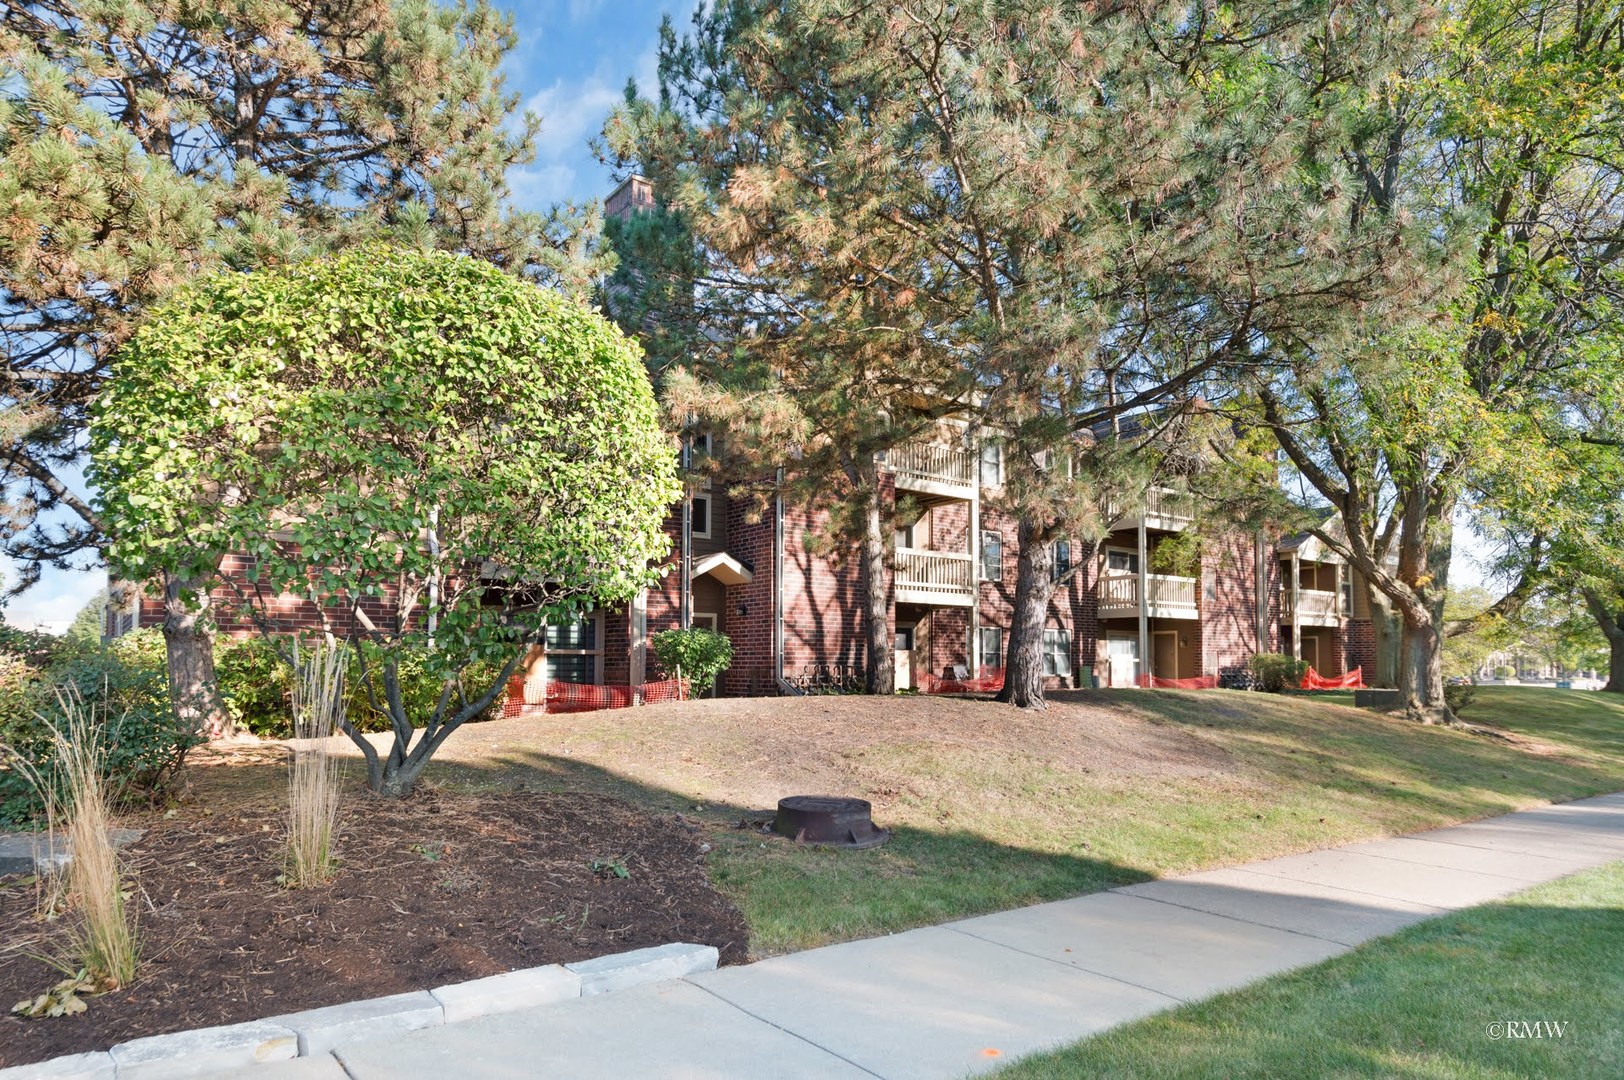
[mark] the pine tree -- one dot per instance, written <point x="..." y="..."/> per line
<point x="145" y="141"/>
<point x="1080" y="213"/>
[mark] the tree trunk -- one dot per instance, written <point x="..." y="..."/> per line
<point x="1388" y="637"/>
<point x="189" y="645"/>
<point x="1034" y="589"/>
<point x="1611" y="622"/>
<point x="879" y="669"/>
<point x="1421" y="677"/>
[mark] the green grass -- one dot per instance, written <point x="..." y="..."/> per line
<point x="993" y="808"/>
<point x="1418" y="1004"/>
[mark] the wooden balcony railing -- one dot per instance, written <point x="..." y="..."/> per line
<point x="935" y="577"/>
<point x="1317" y="605"/>
<point x="932" y="466"/>
<point x="1168" y="596"/>
<point x="1162" y="509"/>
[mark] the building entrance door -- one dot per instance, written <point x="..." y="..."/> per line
<point x="1122" y="661"/>
<point x="904" y="650"/>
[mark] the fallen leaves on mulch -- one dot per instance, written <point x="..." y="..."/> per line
<point x="434" y="889"/>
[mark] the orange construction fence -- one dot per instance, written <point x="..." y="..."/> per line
<point x="568" y="697"/>
<point x="1203" y="682"/>
<point x="1353" y="680"/>
<point x="987" y="681"/>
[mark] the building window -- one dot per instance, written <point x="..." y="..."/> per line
<point x="1062" y="559"/>
<point x="575" y="650"/>
<point x="992" y="557"/>
<point x="1057" y="652"/>
<point x="701" y="516"/>
<point x="992" y="464"/>
<point x="1347" y="593"/>
<point x="1118" y="559"/>
<point x="992" y="647"/>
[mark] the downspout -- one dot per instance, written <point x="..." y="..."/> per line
<point x="1260" y="574"/>
<point x="434" y="575"/>
<point x="685" y="580"/>
<point x="778" y="579"/>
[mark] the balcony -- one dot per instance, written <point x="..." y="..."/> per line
<point x="1163" y="509"/>
<point x="935" y="578"/>
<point x="934" y="469"/>
<point x="1169" y="597"/>
<point x="1319" y="607"/>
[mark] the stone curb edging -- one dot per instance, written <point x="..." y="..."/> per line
<point x="315" y="1032"/>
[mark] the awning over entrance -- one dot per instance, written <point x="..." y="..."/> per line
<point x="724" y="568"/>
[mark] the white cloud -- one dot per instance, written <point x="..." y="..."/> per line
<point x="52" y="604"/>
<point x="571" y="113"/>
<point x="537" y="188"/>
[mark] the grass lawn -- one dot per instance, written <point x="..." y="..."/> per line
<point x="994" y="808"/>
<point x="1418" y="1004"/>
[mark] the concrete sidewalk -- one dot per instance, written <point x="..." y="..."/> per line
<point x="964" y="997"/>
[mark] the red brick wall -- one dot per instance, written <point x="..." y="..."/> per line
<point x="1227" y="632"/>
<point x="1359" y="647"/>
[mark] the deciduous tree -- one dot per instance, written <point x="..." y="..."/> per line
<point x="435" y="453"/>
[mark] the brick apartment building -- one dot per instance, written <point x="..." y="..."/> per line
<point x="793" y="609"/>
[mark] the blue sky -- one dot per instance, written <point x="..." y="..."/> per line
<point x="571" y="67"/>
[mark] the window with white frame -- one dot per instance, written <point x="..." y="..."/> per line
<point x="992" y="556"/>
<point x="992" y="464"/>
<point x="575" y="650"/>
<point x="992" y="646"/>
<point x="1122" y="559"/>
<point x="1062" y="559"/>
<point x="701" y="516"/>
<point x="1057" y="652"/>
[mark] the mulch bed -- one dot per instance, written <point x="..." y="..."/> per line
<point x="434" y="889"/>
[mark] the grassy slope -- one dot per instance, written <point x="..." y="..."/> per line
<point x="1025" y="808"/>
<point x="1416" y="1004"/>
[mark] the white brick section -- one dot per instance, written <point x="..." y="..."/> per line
<point x="204" y="1052"/>
<point x="620" y="970"/>
<point x="320" y="1030"/>
<point x="507" y="992"/>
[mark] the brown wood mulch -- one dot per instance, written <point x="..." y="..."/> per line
<point x="434" y="889"/>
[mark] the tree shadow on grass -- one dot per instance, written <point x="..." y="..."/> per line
<point x="793" y="896"/>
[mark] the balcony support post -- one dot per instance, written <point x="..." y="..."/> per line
<point x="1296" y="607"/>
<point x="1144" y="601"/>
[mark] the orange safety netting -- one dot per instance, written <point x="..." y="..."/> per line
<point x="567" y="697"/>
<point x="1353" y="680"/>
<point x="989" y="680"/>
<point x="1157" y="682"/>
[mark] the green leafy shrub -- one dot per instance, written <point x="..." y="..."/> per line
<point x="1502" y="672"/>
<point x="695" y="654"/>
<point x="1277" y="672"/>
<point x="256" y="683"/>
<point x="142" y="741"/>
<point x="1458" y="696"/>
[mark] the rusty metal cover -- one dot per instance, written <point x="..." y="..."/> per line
<point x="829" y="819"/>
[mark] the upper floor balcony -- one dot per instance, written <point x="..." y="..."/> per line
<point x="930" y="468"/>
<point x="1163" y="508"/>
<point x="1167" y="596"/>
<point x="1315" y="607"/>
<point x="935" y="578"/>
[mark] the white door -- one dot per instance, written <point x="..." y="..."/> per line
<point x="903" y="650"/>
<point x="1122" y="661"/>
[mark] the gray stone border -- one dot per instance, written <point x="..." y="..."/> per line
<point x="315" y="1032"/>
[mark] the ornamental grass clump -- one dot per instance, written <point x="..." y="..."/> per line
<point x="78" y="807"/>
<point x="313" y="772"/>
